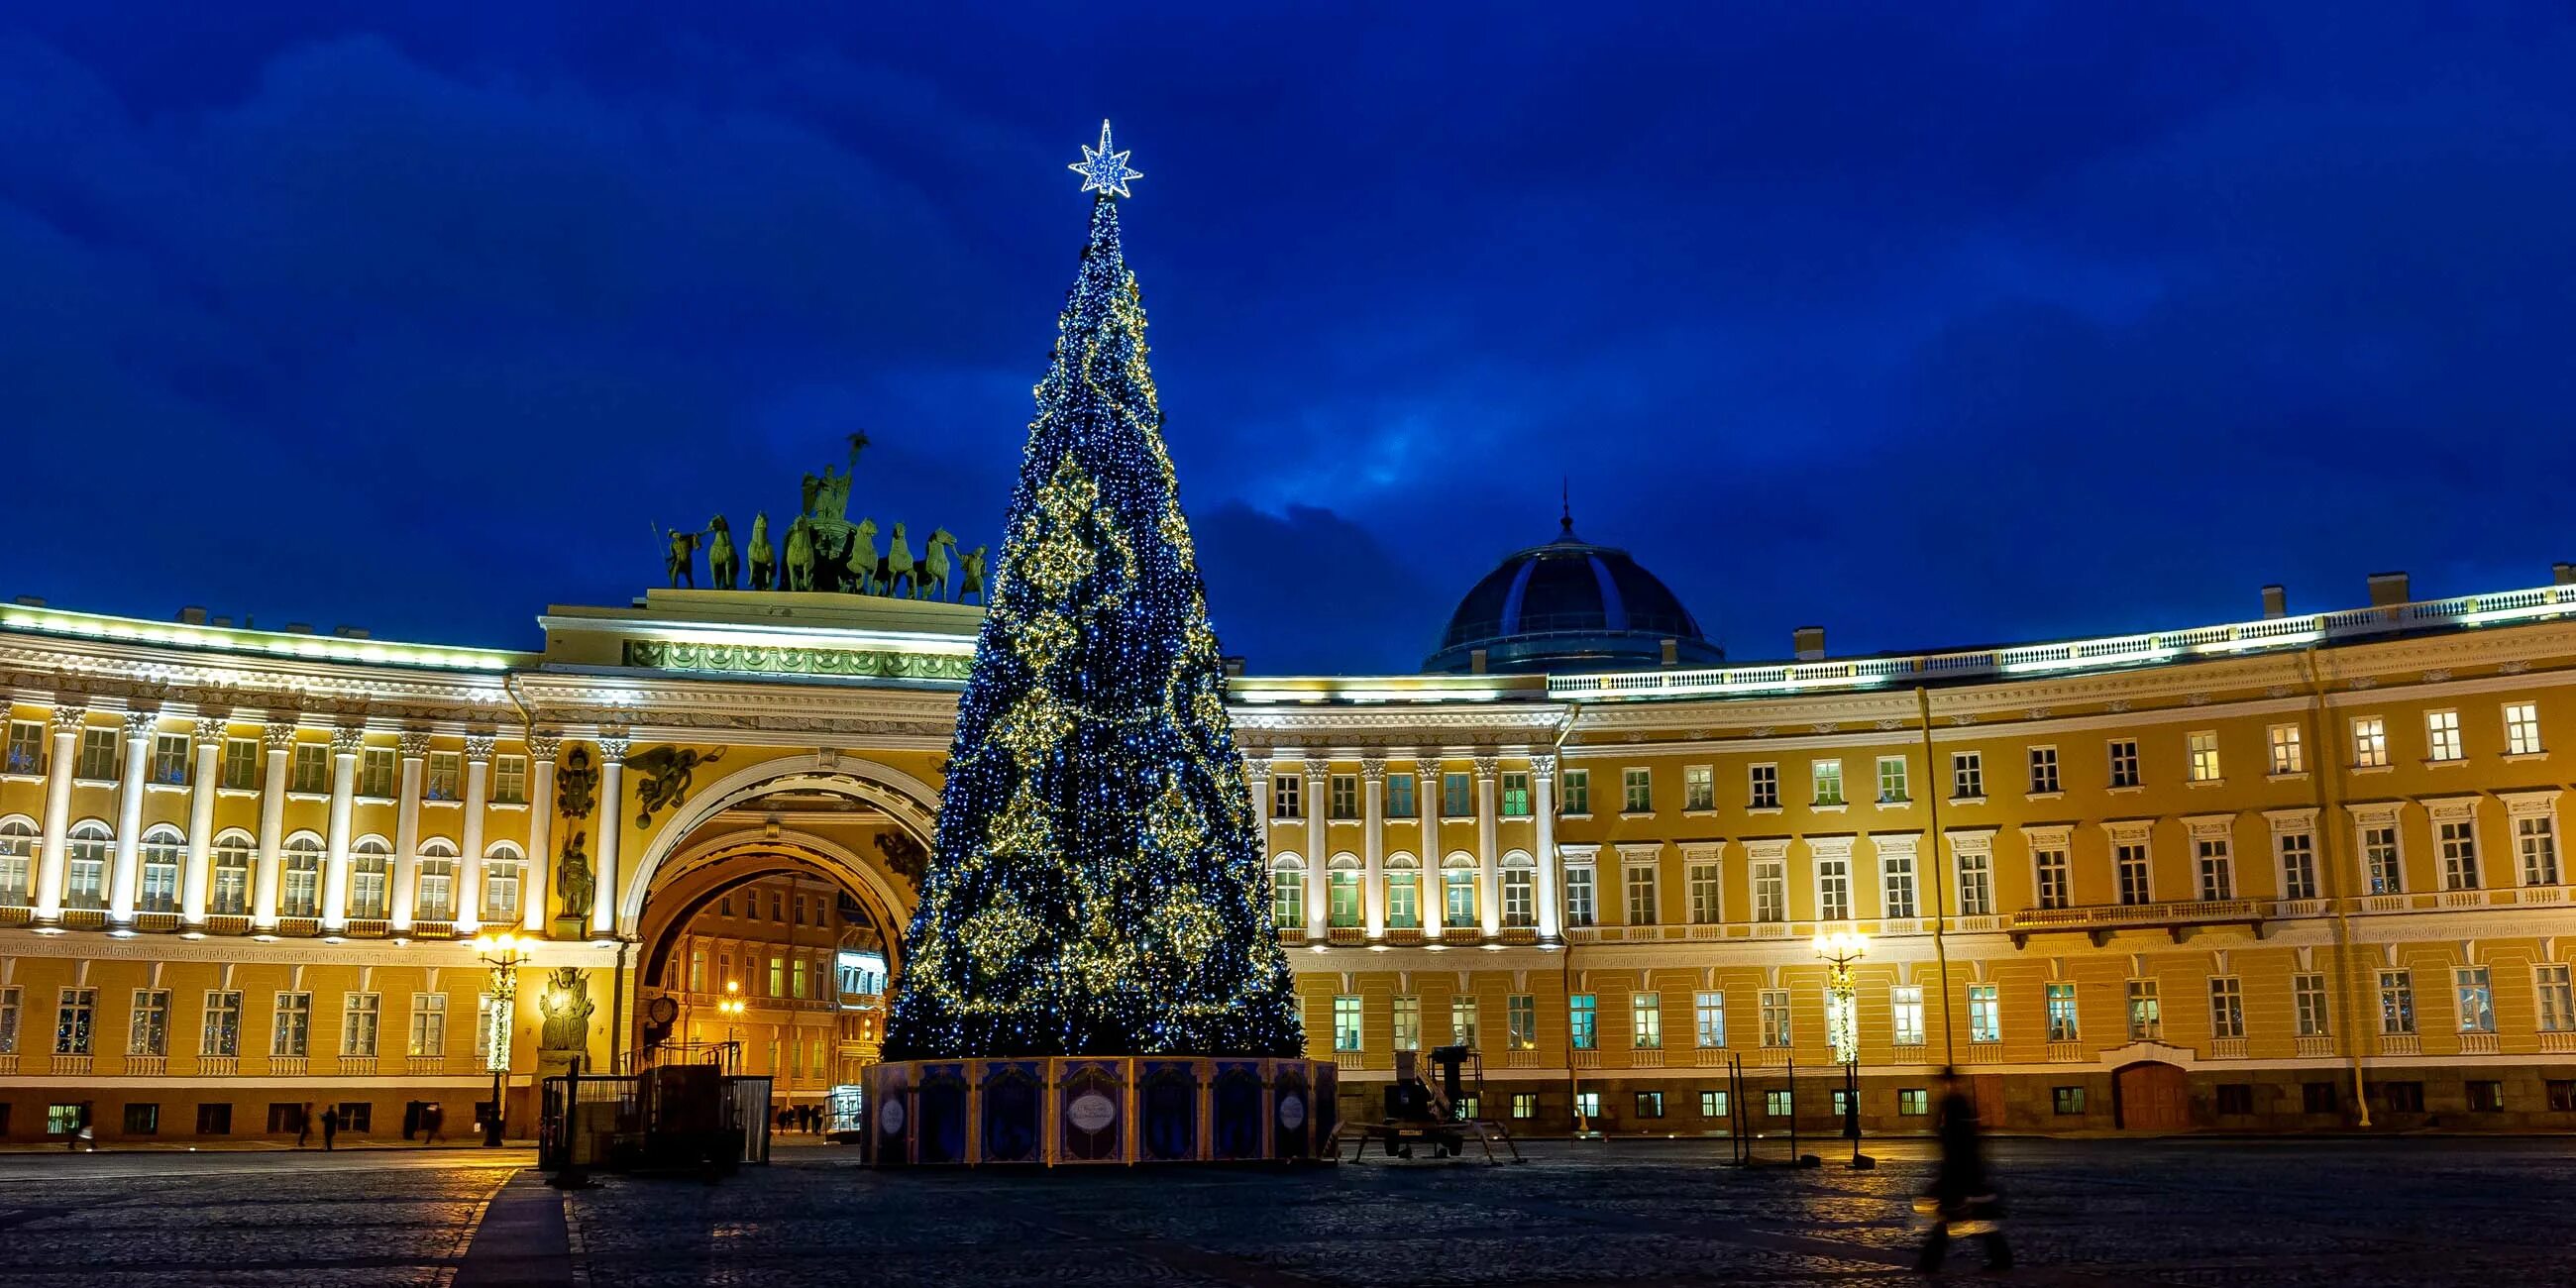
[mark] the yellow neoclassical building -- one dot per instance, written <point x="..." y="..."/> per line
<point x="2301" y="871"/>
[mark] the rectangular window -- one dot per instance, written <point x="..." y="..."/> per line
<point x="2396" y="1001"/>
<point x="1520" y="887"/>
<point x="142" y="1119"/>
<point x="358" y="1015"/>
<point x="148" y="1031"/>
<point x="1779" y="1104"/>
<point x="2308" y="1002"/>
<point x="2061" y="1012"/>
<point x="2235" y="1099"/>
<point x="1583" y="1018"/>
<point x="2486" y="1096"/>
<point x="97" y="754"/>
<point x="1763" y="791"/>
<point x="2203" y="745"/>
<point x="2476" y="993"/>
<point x="1833" y="890"/>
<point x="1712" y="1104"/>
<point x="1646" y="1021"/>
<point x="1650" y="1104"/>
<point x="1641" y="893"/>
<point x="2217" y="868"/>
<point x="1462" y="1020"/>
<point x="1905" y="1003"/>
<point x="1587" y="1104"/>
<point x="1580" y="897"/>
<point x="2043" y="770"/>
<point x="796" y="977"/>
<point x="2129" y="859"/>
<point x="2226" y="1007"/>
<point x="2401" y="1097"/>
<point x="2442" y="735"/>
<point x="64" y="1119"/>
<point x="2298" y="865"/>
<point x="1967" y="775"/>
<point x="2459" y="854"/>
<point x="1404" y="899"/>
<point x="1976" y="885"/>
<point x="1775" y="1017"/>
<point x="1985" y="1014"/>
<point x="1520" y="1014"/>
<point x="309" y="768"/>
<point x="1708" y="1014"/>
<point x="1896" y="874"/>
<point x="1891" y="779"/>
<point x="2054" y="883"/>
<point x="2379" y="854"/>
<point x="428" y="1024"/>
<point x="1399" y="796"/>
<point x="1458" y="884"/>
<point x="1913" y="1102"/>
<point x="2146" y="1011"/>
<point x="1828" y="776"/>
<point x="357" y="1117"/>
<point x="170" y="759"/>
<point x="26" y="747"/>
<point x="2535" y="838"/>
<point x="1458" y="795"/>
<point x="1770" y="890"/>
<point x="2320" y="1098"/>
<point x="1524" y="1104"/>
<point x="241" y="763"/>
<point x="2288" y="756"/>
<point x="2369" y="742"/>
<point x="1408" y="1022"/>
<point x="1287" y="898"/>
<point x="285" y="1118"/>
<point x="9" y="1004"/>
<point x="74" y="1016"/>
<point x="2555" y="1000"/>
<point x="376" y="773"/>
<point x="1706" y="908"/>
<point x="1636" y="791"/>
<point x="446" y="772"/>
<point x="294" y="1031"/>
<point x="2522" y="729"/>
<point x="1346" y="1022"/>
<point x="1699" y="787"/>
<point x="777" y="977"/>
<point x="1516" y="795"/>
<point x="1286" y="800"/>
<point x="2067" y="1101"/>
<point x="2124" y="762"/>
<point x="1344" y="795"/>
<point x="1578" y="792"/>
<point x="221" y="1035"/>
<point x="510" y="780"/>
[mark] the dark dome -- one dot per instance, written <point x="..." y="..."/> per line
<point x="1570" y="605"/>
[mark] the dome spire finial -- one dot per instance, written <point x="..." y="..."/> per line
<point x="1565" y="498"/>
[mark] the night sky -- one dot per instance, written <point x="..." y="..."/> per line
<point x="1934" y="328"/>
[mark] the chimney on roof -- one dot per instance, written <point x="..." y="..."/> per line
<point x="192" y="615"/>
<point x="1475" y="661"/>
<point x="299" y="628"/>
<point x="350" y="632"/>
<point x="224" y="623"/>
<point x="2276" y="602"/>
<point x="2388" y="589"/>
<point x="31" y="601"/>
<point x="1233" y="664"/>
<point x="1808" y="643"/>
<point x="1672" y="652"/>
<point x="2563" y="573"/>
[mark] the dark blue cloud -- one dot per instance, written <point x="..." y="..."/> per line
<point x="1935" y="327"/>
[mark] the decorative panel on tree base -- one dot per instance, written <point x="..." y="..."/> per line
<point x="1099" y="1109"/>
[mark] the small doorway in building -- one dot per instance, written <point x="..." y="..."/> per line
<point x="2150" y="1096"/>
<point x="1986" y="1092"/>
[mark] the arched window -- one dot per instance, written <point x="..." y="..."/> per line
<point x="299" y="891"/>
<point x="228" y="887"/>
<point x="1520" y="889"/>
<point x="437" y="900"/>
<point x="1458" y="890"/>
<point x="371" y="864"/>
<point x="1342" y="890"/>
<point x="85" y="874"/>
<point x="1403" y="892"/>
<point x="503" y="869"/>
<point x="163" y="849"/>
<point x="1288" y="892"/>
<point x="18" y="840"/>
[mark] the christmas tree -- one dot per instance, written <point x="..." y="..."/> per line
<point x="1098" y="886"/>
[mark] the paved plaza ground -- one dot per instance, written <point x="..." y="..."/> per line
<point x="2179" y="1211"/>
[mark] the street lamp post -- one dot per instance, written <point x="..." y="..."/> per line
<point x="731" y="1007"/>
<point x="504" y="953"/>
<point x="1840" y="949"/>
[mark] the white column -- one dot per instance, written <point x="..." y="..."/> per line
<point x="1317" y="771"/>
<point x="469" y="877"/>
<point x="1426" y="804"/>
<point x="58" y="811"/>
<point x="533" y="894"/>
<point x="203" y="782"/>
<point x="346" y="742"/>
<point x="1256" y="782"/>
<point x="1373" y="843"/>
<point x="1489" y="858"/>
<point x="124" y="876"/>
<point x="1543" y="819"/>
<point x="279" y="741"/>
<point x="612" y="821"/>
<point x="402" y="878"/>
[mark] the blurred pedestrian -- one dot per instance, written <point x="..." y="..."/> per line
<point x="330" y="1127"/>
<point x="1962" y="1198"/>
<point x="304" y="1125"/>
<point x="433" y="1124"/>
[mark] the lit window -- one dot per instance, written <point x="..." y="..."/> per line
<point x="2476" y="993"/>
<point x="1708" y="1011"/>
<point x="1712" y="1104"/>
<point x="163" y="850"/>
<point x="2442" y="735"/>
<point x="1891" y="779"/>
<point x="148" y="1029"/>
<point x="293" y="1033"/>
<point x="2146" y="1011"/>
<point x="221" y="1035"/>
<point x="2124" y="762"/>
<point x="1408" y="1023"/>
<point x="1516" y="795"/>
<point x="2369" y="742"/>
<point x="445" y="768"/>
<point x="1520" y="1015"/>
<point x="1646" y="1021"/>
<point x="26" y="753"/>
<point x="1828" y="776"/>
<point x="2379" y="855"/>
<point x="1699" y="787"/>
<point x="1287" y="898"/>
<point x="1905" y="1004"/>
<point x="1524" y="1104"/>
<point x="1650" y="1104"/>
<point x="1913" y="1102"/>
<point x="2396" y="1001"/>
<point x="1462" y="1020"/>
<point x="1985" y="1014"/>
<point x="428" y="1024"/>
<point x="2522" y="729"/>
<point x="1779" y="1104"/>
<point x="358" y="1016"/>
<point x="1346" y="1022"/>
<point x="1775" y="1017"/>
<point x="1587" y="1104"/>
<point x="2204" y="756"/>
<point x="228" y="892"/>
<point x="1583" y="1016"/>
<point x="1403" y="897"/>
<point x="170" y="759"/>
<point x="2288" y="755"/>
<point x="85" y="866"/>
<point x="2061" y="1012"/>
<point x="2066" y="1100"/>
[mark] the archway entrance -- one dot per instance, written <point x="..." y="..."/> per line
<point x="2150" y="1096"/>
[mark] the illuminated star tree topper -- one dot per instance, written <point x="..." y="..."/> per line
<point x="1103" y="170"/>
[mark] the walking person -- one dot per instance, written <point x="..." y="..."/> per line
<point x="433" y="1121"/>
<point x="304" y="1125"/>
<point x="330" y="1127"/>
<point x="1961" y="1198"/>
